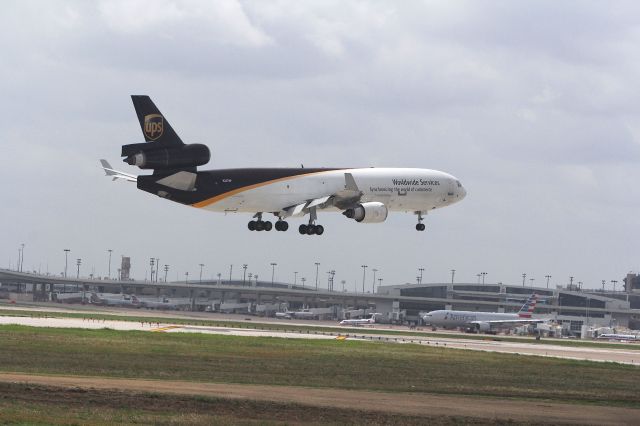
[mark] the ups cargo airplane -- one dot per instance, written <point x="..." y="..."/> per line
<point x="365" y="195"/>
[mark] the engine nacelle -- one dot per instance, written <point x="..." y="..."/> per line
<point x="373" y="212"/>
<point x="483" y="327"/>
<point x="147" y="156"/>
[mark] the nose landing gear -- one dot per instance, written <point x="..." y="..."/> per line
<point x="420" y="226"/>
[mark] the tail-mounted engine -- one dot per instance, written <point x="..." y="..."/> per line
<point x="373" y="212"/>
<point x="171" y="157"/>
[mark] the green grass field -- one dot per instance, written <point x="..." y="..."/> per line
<point x="314" y="363"/>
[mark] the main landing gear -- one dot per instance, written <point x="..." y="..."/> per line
<point x="420" y="226"/>
<point x="260" y="225"/>
<point x="311" y="228"/>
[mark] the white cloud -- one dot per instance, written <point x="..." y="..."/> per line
<point x="533" y="105"/>
<point x="220" y="22"/>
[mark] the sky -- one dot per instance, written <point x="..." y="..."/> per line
<point x="534" y="106"/>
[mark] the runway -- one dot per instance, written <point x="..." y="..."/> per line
<point x="624" y="355"/>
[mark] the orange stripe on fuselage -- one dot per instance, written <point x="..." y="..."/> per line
<point x="221" y="197"/>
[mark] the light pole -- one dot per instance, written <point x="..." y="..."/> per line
<point x="478" y="276"/>
<point x="186" y="277"/>
<point x="453" y="274"/>
<point x="484" y="274"/>
<point x="603" y="281"/>
<point x="66" y="256"/>
<point x="614" y="285"/>
<point x="524" y="277"/>
<point x="255" y="277"/>
<point x="532" y="280"/>
<point x="109" y="250"/>
<point x="379" y="282"/>
<point x="166" y="270"/>
<point x="152" y="262"/>
<point x="295" y="278"/>
<point x="230" y="272"/>
<point x="317" y="266"/>
<point x="22" y="257"/>
<point x="373" y="287"/>
<point x="201" y="266"/>
<point x="219" y="278"/>
<point x="548" y="277"/>
<point x="273" y="273"/>
<point x="78" y="263"/>
<point x="421" y="270"/>
<point x="303" y="279"/>
<point x="364" y="274"/>
<point x="571" y="283"/>
<point x="157" y="269"/>
<point x="244" y="274"/>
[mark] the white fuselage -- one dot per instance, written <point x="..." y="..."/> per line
<point x="399" y="189"/>
<point x="455" y="319"/>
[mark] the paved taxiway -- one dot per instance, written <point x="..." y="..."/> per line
<point x="623" y="354"/>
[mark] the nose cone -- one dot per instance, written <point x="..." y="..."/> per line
<point x="462" y="192"/>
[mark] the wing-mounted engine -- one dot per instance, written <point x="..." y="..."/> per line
<point x="483" y="327"/>
<point x="372" y="212"/>
<point x="172" y="157"/>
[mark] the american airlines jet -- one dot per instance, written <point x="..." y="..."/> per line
<point x="359" y="322"/>
<point x="483" y="321"/>
<point x="365" y="195"/>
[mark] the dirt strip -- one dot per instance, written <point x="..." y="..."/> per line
<point x="406" y="403"/>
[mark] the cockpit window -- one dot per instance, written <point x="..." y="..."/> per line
<point x="459" y="184"/>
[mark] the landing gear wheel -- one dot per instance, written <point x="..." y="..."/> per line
<point x="277" y="226"/>
<point x="252" y="226"/>
<point x="284" y="226"/>
<point x="319" y="229"/>
<point x="267" y="226"/>
<point x="311" y="229"/>
<point x="259" y="225"/>
<point x="302" y="229"/>
<point x="420" y="227"/>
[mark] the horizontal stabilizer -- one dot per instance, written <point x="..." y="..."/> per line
<point x="116" y="174"/>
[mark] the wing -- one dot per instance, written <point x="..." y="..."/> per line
<point x="511" y="323"/>
<point x="116" y="174"/>
<point x="343" y="199"/>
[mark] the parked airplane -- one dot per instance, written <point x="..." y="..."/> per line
<point x="620" y="337"/>
<point x="359" y="322"/>
<point x="162" y="304"/>
<point x="365" y="195"/>
<point x="115" y="300"/>
<point x="483" y="321"/>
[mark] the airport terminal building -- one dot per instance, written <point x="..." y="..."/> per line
<point x="568" y="305"/>
<point x="571" y="306"/>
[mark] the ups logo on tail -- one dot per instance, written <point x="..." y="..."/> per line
<point x="153" y="126"/>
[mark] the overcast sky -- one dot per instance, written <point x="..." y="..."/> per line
<point x="534" y="106"/>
